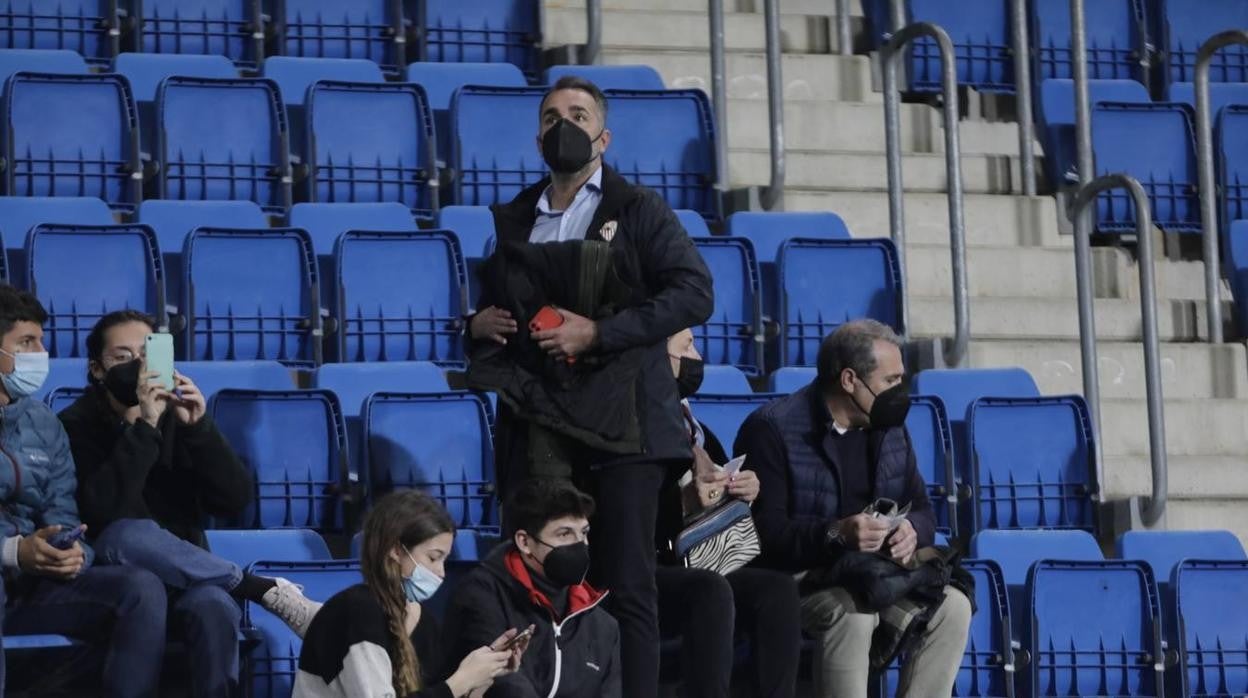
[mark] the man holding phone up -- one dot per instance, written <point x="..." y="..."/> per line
<point x="151" y="468"/>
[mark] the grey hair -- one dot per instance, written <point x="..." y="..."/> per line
<point x="852" y="346"/>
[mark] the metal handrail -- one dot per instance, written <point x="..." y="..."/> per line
<point x="773" y="197"/>
<point x="719" y="94"/>
<point x="844" y="35"/>
<point x="1208" y="184"/>
<point x="1022" y="81"/>
<point x="593" y="32"/>
<point x="1155" y="506"/>
<point x="891" y="53"/>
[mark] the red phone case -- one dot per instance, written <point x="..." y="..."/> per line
<point x="546" y="319"/>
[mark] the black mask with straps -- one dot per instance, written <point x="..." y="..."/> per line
<point x="565" y="565"/>
<point x="122" y="382"/>
<point x="890" y="408"/>
<point x="567" y="148"/>
<point x="689" y="376"/>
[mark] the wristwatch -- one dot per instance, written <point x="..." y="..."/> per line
<point x="833" y="536"/>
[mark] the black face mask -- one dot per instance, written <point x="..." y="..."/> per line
<point x="566" y="565"/>
<point x="689" y="376"/>
<point x="122" y="382"/>
<point x="890" y="407"/>
<point x="566" y="147"/>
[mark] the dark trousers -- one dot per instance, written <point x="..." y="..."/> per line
<point x="118" y="611"/>
<point x="704" y="609"/>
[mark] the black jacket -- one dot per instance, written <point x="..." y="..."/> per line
<point x="579" y="649"/>
<point x="675" y="286"/>
<point x="788" y="446"/>
<point x="177" y="475"/>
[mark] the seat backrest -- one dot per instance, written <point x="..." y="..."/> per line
<point x="369" y="142"/>
<point x="1232" y="154"/>
<point x="353" y="383"/>
<point x="1212" y="615"/>
<point x="725" y="380"/>
<point x="1113" y="29"/>
<point x="63" y="373"/>
<point x="768" y="230"/>
<point x="58" y="399"/>
<point x="826" y="283"/>
<point x="146" y="71"/>
<point x="294" y="443"/>
<point x="18" y="214"/>
<point x="286" y="544"/>
<point x="790" y="379"/>
<point x="326" y="222"/>
<point x="1164" y="550"/>
<point x="1118" y="654"/>
<point x="1057" y="97"/>
<point x="213" y="376"/>
<point x="249" y="294"/>
<point x="223" y="139"/>
<point x="87" y="27"/>
<point x="693" y="223"/>
<point x="365" y="29"/>
<point x="174" y="220"/>
<point x="1167" y="170"/>
<point x="492" y="131"/>
<point x="451" y="459"/>
<point x="441" y="80"/>
<point x="727" y="337"/>
<point x="723" y="415"/>
<point x="1034" y="462"/>
<point x="82" y="273"/>
<point x="1016" y="551"/>
<point x="487" y="31"/>
<point x="295" y="75"/>
<point x="932" y="440"/>
<point x="665" y="140"/>
<point x="609" y="77"/>
<point x="958" y="388"/>
<point x="39" y="60"/>
<point x="473" y="225"/>
<point x="980" y="31"/>
<point x="1185" y="29"/>
<point x="71" y="135"/>
<point x="230" y="28"/>
<point x="1221" y="94"/>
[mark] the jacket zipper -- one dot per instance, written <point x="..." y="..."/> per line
<point x="559" y="650"/>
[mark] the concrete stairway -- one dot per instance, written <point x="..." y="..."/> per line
<point x="1021" y="267"/>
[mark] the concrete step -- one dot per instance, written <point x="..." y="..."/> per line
<point x="1218" y="478"/>
<point x="788" y="7"/>
<point x="1193" y="428"/>
<point x="859" y="172"/>
<point x="1188" y="371"/>
<point x="990" y="219"/>
<point x="805" y="76"/>
<point x="638" y="29"/>
<point x="1048" y="319"/>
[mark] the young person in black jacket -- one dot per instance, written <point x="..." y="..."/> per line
<point x="151" y="468"/>
<point x="373" y="640"/>
<point x="537" y="581"/>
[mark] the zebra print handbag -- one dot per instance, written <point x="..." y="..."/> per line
<point x="721" y="539"/>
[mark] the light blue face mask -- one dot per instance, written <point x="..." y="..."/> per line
<point x="421" y="584"/>
<point x="30" y="370"/>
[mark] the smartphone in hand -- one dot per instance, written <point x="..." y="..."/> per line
<point x="159" y="347"/>
<point x="519" y="638"/>
<point x="65" y="538"/>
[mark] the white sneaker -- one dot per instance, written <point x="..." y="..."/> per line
<point x="286" y="601"/>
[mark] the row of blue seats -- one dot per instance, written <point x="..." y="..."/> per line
<point x="388" y="32"/>
<point x="194" y="132"/>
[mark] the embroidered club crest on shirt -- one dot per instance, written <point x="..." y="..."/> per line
<point x="608" y="230"/>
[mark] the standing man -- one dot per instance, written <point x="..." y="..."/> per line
<point x="583" y="199"/>
<point x="823" y="455"/>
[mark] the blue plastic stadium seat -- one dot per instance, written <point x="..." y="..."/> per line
<point x="1221" y="94"/>
<point x="790" y="379"/>
<point x="231" y="28"/>
<point x="769" y="230"/>
<point x="1231" y="140"/>
<point x="174" y="220"/>
<point x="287" y="544"/>
<point x="486" y="31"/>
<point x="1237" y="271"/>
<point x="63" y="373"/>
<point x="223" y="139"/>
<point x="92" y="28"/>
<point x="275" y="662"/>
<point x="295" y="75"/>
<point x="1167" y="170"/>
<point x="71" y="135"/>
<point x="1114" y="31"/>
<point x="370" y="142"/>
<point x="826" y="283"/>
<point x="146" y="71"/>
<point x="251" y="294"/>
<point x="469" y="546"/>
<point x="214" y="376"/>
<point x="609" y="77"/>
<point x="932" y="440"/>
<point x="1212" y="615"/>
<point x="353" y="383"/>
<point x="441" y="80"/>
<point x="451" y="459"/>
<point x="1056" y="119"/>
<point x="665" y="140"/>
<point x="473" y="225"/>
<point x="1187" y="25"/>
<point x="724" y="414"/>
<point x="492" y="136"/>
<point x="727" y="337"/>
<point x="294" y="442"/>
<point x="325" y="223"/>
<point x="1120" y="654"/>
<point x="725" y="380"/>
<point x="58" y="399"/>
<point x="18" y="214"/>
<point x="81" y="273"/>
<point x="39" y="60"/>
<point x="980" y="31"/>
<point x="14" y="643"/>
<point x="1016" y="551"/>
<point x="1034" y="463"/>
<point x="1164" y="550"/>
<point x="369" y="29"/>
<point x="401" y="297"/>
<point x="693" y="223"/>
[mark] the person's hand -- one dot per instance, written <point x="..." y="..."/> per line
<point x="412" y="617"/>
<point x="190" y="406"/>
<point x="744" y="486"/>
<point x="517" y="652"/>
<point x="478" y="670"/>
<point x="711" y="487"/>
<point x="153" y="398"/>
<point x="573" y="337"/>
<point x="492" y="323"/>
<point x="863" y="532"/>
<point x="903" y="542"/>
<point x="36" y="555"/>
